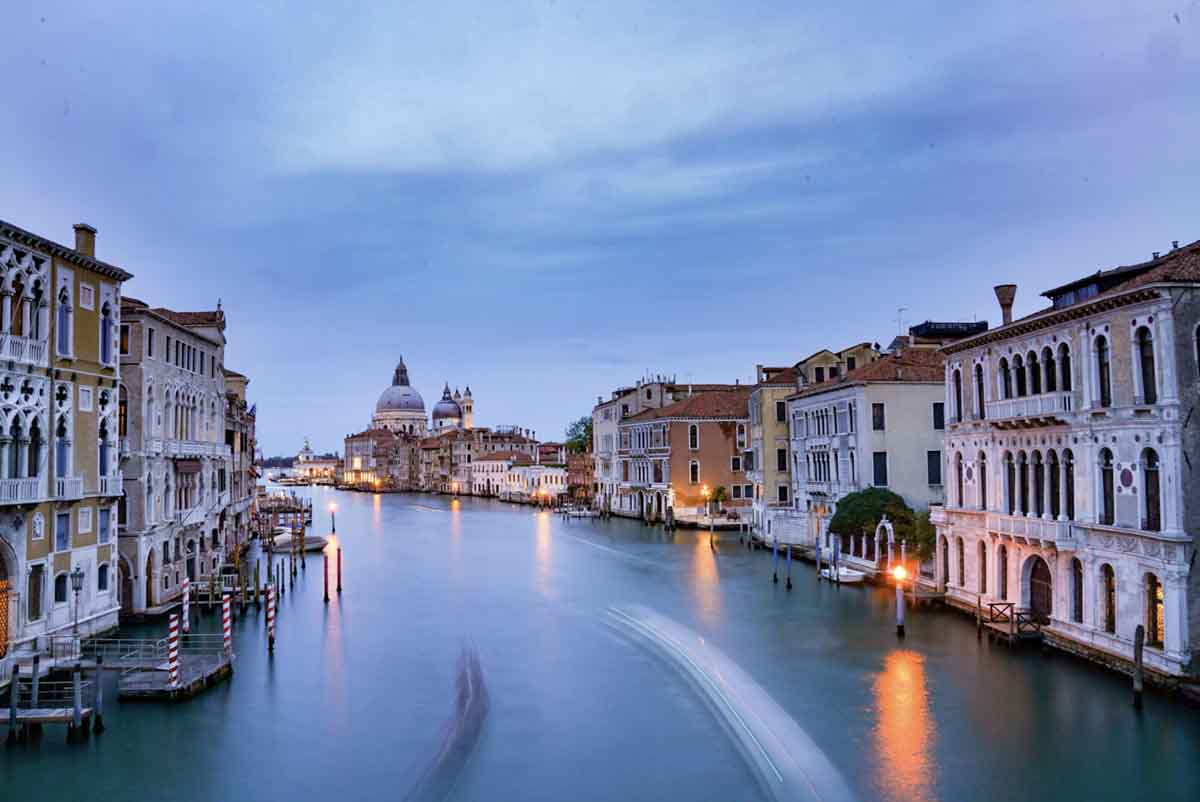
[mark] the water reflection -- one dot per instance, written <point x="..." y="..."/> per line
<point x="542" y="554"/>
<point x="706" y="580"/>
<point x="905" y="731"/>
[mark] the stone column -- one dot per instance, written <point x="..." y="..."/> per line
<point x="25" y="317"/>
<point x="1164" y="357"/>
<point x="1047" y="482"/>
<point x="5" y="312"/>
<point x="1062" y="489"/>
<point x="4" y="457"/>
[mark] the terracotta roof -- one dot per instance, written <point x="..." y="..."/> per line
<point x="130" y="301"/>
<point x="501" y="456"/>
<point x="784" y="376"/>
<point x="32" y="240"/>
<point x="715" y="404"/>
<point x="234" y="373"/>
<point x="912" y="365"/>
<point x="206" y="318"/>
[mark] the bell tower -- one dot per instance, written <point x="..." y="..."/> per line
<point x="468" y="408"/>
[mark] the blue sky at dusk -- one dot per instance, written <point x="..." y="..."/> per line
<point x="547" y="200"/>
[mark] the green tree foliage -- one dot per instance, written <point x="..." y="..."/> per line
<point x="579" y="435"/>
<point x="859" y="513"/>
<point x="719" y="496"/>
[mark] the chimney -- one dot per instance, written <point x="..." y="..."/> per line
<point x="1174" y="244"/>
<point x="1005" y="294"/>
<point x="85" y="239"/>
<point x="1155" y="255"/>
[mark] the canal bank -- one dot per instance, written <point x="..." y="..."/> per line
<point x="358" y="691"/>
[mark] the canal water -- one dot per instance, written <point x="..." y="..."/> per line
<point x="354" y="704"/>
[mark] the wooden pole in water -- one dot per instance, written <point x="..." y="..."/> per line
<point x="271" y="619"/>
<point x="978" y="617"/>
<point x="14" y="684"/>
<point x="1139" y="643"/>
<point x="291" y="570"/>
<point x="326" y="561"/>
<point x="226" y="632"/>
<point x="98" y="712"/>
<point x="76" y="732"/>
<point x="789" y="566"/>
<point x="339" y="570"/>
<point x="899" y="609"/>
<point x="775" y="560"/>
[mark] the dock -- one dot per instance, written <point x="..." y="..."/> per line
<point x="1003" y="622"/>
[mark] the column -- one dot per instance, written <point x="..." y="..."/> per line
<point x="1062" y="488"/>
<point x="1175" y="612"/>
<point x="1164" y="356"/>
<point x="25" y="316"/>
<point x="5" y="312"/>
<point x="1047" y="481"/>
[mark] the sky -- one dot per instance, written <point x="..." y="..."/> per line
<point x="545" y="201"/>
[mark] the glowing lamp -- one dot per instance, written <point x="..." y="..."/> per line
<point x="899" y="573"/>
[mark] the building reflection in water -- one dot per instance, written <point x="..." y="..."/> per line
<point x="706" y="580"/>
<point x="542" y="554"/>
<point x="905" y="731"/>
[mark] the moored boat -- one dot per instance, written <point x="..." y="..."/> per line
<point x="846" y="576"/>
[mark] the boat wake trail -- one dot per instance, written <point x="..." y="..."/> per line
<point x="460" y="734"/>
<point x="786" y="761"/>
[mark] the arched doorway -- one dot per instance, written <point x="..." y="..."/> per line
<point x="945" y="562"/>
<point x="191" y="560"/>
<point x="1041" y="591"/>
<point x="125" y="576"/>
<point x="150" y="579"/>
<point x="658" y="506"/>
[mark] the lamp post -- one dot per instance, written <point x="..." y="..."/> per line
<point x="332" y="517"/>
<point x="708" y="513"/>
<point x="899" y="573"/>
<point x="76" y="585"/>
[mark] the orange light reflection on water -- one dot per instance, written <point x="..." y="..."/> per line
<point x="905" y="731"/>
<point x="706" y="580"/>
<point x="542" y="553"/>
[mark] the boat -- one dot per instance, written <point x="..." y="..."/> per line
<point x="579" y="512"/>
<point x="845" y="576"/>
<point x="283" y="542"/>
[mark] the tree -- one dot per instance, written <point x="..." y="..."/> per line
<point x="859" y="513"/>
<point x="579" y="435"/>
<point x="719" y="496"/>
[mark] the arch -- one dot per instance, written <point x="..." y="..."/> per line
<point x="980" y="411"/>
<point x="958" y="396"/>
<point x="1002" y="572"/>
<point x="102" y="578"/>
<point x="982" y="480"/>
<point x="1106" y="507"/>
<point x="1154" y="610"/>
<point x="36" y="442"/>
<point x="1103" y="372"/>
<point x="1054" y="478"/>
<point x="1068" y="468"/>
<point x="1035" y="373"/>
<point x="693" y="436"/>
<point x="1018" y="367"/>
<point x="1023" y="481"/>
<point x="1064" y="367"/>
<point x="61" y="596"/>
<point x="1108" y="598"/>
<point x="1049" y="371"/>
<point x="958" y="478"/>
<point x="694" y="472"/>
<point x="1005" y="379"/>
<point x="1076" y="590"/>
<point x="962" y="562"/>
<point x="1151" y="492"/>
<point x="151" y="568"/>
<point x="982" y="567"/>
<point x="1010" y="483"/>
<point x="1144" y="342"/>
<point x="1037" y="588"/>
<point x="945" y="561"/>
<point x="1039" y="484"/>
<point x="125" y="585"/>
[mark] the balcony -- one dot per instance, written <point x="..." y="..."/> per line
<point x="20" y="491"/>
<point x="67" y="488"/>
<point x="1029" y="530"/>
<point x="112" y="485"/>
<point x="1044" y="409"/>
<point x="23" y="349"/>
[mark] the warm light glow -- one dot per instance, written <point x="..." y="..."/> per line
<point x="899" y="573"/>
<point x="332" y="506"/>
<point x="905" y="730"/>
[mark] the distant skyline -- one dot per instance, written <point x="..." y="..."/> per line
<point x="548" y="200"/>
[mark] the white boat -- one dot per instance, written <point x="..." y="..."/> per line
<point x="846" y="576"/>
<point x="283" y="542"/>
<point x="580" y="513"/>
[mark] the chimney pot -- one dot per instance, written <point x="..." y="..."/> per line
<point x="85" y="239"/>
<point x="1174" y="244"/>
<point x="1006" y="294"/>
<point x="1156" y="254"/>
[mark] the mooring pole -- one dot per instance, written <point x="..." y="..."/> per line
<point x="326" y="561"/>
<point x="271" y="619"/>
<point x="226" y="632"/>
<point x="789" y="566"/>
<point x="1139" y="643"/>
<point x="257" y="584"/>
<point x="899" y="608"/>
<point x="77" y="698"/>
<point x="978" y="617"/>
<point x="775" y="560"/>
<point x="339" y="570"/>
<point x="98" y="712"/>
<point x="818" y="553"/>
<point x="14" y="684"/>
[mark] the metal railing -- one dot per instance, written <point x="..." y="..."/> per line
<point x="53" y="694"/>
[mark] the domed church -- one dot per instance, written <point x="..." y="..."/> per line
<point x="401" y="409"/>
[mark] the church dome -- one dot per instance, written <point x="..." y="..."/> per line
<point x="447" y="407"/>
<point x="400" y="396"/>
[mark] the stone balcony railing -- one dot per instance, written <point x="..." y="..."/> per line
<point x="68" y="487"/>
<point x="1029" y="528"/>
<point x="1033" y="407"/>
<point x="21" y="491"/>
<point x="23" y="349"/>
<point x="112" y="485"/>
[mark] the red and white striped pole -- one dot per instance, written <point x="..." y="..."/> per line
<point x="226" y="634"/>
<point x="173" y="652"/>
<point x="187" y="588"/>
<point x="271" y="617"/>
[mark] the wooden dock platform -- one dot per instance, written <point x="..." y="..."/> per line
<point x="50" y="715"/>
<point x="196" y="673"/>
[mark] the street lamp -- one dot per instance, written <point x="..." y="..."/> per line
<point x="708" y="513"/>
<point x="77" y="585"/>
<point x="899" y="573"/>
<point x="332" y="517"/>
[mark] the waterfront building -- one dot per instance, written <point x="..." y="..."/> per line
<point x="666" y="456"/>
<point x="179" y="453"/>
<point x="581" y="472"/>
<point x="551" y="453"/>
<point x="240" y="439"/>
<point x="1072" y="454"/>
<point x="380" y="459"/>
<point x="535" y="482"/>
<point x="879" y="425"/>
<point x="317" y="468"/>
<point x="60" y="419"/>
<point x="490" y="472"/>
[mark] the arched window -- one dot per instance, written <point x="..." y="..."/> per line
<point x="958" y="479"/>
<point x="1039" y="484"/>
<point x="982" y="567"/>
<point x="1151" y="491"/>
<point x="1103" y="375"/>
<point x="62" y="468"/>
<point x="1019" y="370"/>
<point x="1107" y="505"/>
<point x="1068" y="467"/>
<point x="1005" y="379"/>
<point x="106" y="333"/>
<point x="1108" y="597"/>
<point x="1076" y="590"/>
<point x="1002" y="572"/>
<point x="35" y="449"/>
<point x="1154" y="611"/>
<point x="1035" y="374"/>
<point x="945" y="560"/>
<point x="14" y="449"/>
<point x="1010" y="484"/>
<point x="64" y="322"/>
<point x="102" y="578"/>
<point x="979" y="397"/>
<point x="693" y="436"/>
<point x="962" y="563"/>
<point x="694" y="472"/>
<point x="1064" y="368"/>
<point x="1055" y="481"/>
<point x="1023" y="481"/>
<point x="1145" y="350"/>
<point x="958" y="396"/>
<point x="104" y="449"/>
<point x="853" y="469"/>
<point x="1049" y="369"/>
<point x="60" y="588"/>
<point x="983" y="481"/>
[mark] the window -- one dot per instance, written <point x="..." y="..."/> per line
<point x="983" y="480"/>
<point x="781" y="494"/>
<point x="1035" y="374"/>
<point x="1055" y="482"/>
<point x="962" y="562"/>
<point x="958" y="480"/>
<point x="87" y="296"/>
<point x="85" y="399"/>
<point x="124" y="339"/>
<point x="693" y="437"/>
<point x="102" y="524"/>
<point x="1049" y="369"/>
<point x="1151" y="491"/>
<point x="1018" y="367"/>
<point x="34" y="590"/>
<point x="979" y="398"/>
<point x="1154" y="611"/>
<point x="1107" y="500"/>
<point x="982" y="567"/>
<point x="102" y="578"/>
<point x="62" y="531"/>
<point x="60" y="589"/>
<point x="741" y="435"/>
<point x="85" y="520"/>
<point x="1103" y="376"/>
<point x="851" y="363"/>
<point x="1064" y="368"/>
<point x="1023" y="482"/>
<point x="780" y="411"/>
<point x="1068" y="468"/>
<point x="781" y="463"/>
<point x="834" y="373"/>
<point x="958" y="397"/>
<point x="939" y="415"/>
<point x="819" y="374"/>
<point x="933" y="466"/>
<point x="735" y="464"/>
<point x="737" y="491"/>
<point x="1108" y="596"/>
<point x="1076" y="590"/>
<point x="1145" y="350"/>
<point x="877" y="417"/>
<point x="1005" y="380"/>
<point x="63" y="340"/>
<point x="150" y="343"/>
<point x="881" y="468"/>
<point x="167" y="351"/>
<point x="694" y="472"/>
<point x="748" y="491"/>
<point x="106" y="334"/>
<point x="1002" y="572"/>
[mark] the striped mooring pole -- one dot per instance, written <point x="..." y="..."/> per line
<point x="187" y="587"/>
<point x="173" y="652"/>
<point x="226" y="633"/>
<point x="271" y="617"/>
